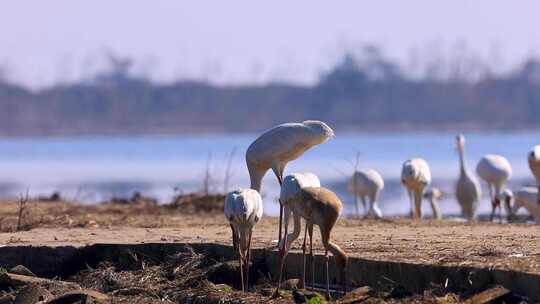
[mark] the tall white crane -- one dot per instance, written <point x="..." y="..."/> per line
<point x="468" y="190"/>
<point x="276" y="147"/>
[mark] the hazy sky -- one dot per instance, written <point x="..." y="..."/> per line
<point x="42" y="42"/>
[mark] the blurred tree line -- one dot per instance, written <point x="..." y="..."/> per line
<point x="363" y="91"/>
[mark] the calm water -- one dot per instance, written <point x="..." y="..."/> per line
<point x="94" y="169"/>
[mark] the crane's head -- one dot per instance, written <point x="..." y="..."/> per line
<point x="320" y="129"/>
<point x="460" y="141"/>
<point x="433" y="193"/>
<point x="534" y="155"/>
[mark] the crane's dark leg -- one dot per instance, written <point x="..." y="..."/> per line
<point x="493" y="205"/>
<point x="234" y="240"/>
<point x="236" y="248"/>
<point x="357" y="205"/>
<point x="500" y="214"/>
<point x="303" y="283"/>
<point x="411" y="201"/>
<point x="364" y="206"/>
<point x="280" y="221"/>
<point x="311" y="259"/>
<point x="248" y="259"/>
<point x="326" y="258"/>
<point x="418" y="205"/>
<point x="282" y="257"/>
<point x="279" y="176"/>
<point x="492" y="215"/>
<point x="241" y="269"/>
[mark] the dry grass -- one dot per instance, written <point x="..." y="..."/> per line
<point x="189" y="277"/>
<point x="138" y="211"/>
<point x="182" y="278"/>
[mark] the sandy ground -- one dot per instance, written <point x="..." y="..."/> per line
<point x="501" y="246"/>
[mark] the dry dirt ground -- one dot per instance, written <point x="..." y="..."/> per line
<point x="503" y="246"/>
<point x="194" y="220"/>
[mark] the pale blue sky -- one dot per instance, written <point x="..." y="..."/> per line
<point x="238" y="41"/>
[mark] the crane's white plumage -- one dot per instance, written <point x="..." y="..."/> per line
<point x="416" y="176"/>
<point x="495" y="170"/>
<point x="367" y="183"/>
<point x="526" y="198"/>
<point x="281" y="144"/>
<point x="534" y="164"/>
<point x="416" y="173"/>
<point x="468" y="191"/>
<point x="292" y="184"/>
<point x="243" y="209"/>
<point x="433" y="195"/>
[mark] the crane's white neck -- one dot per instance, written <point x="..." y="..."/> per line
<point x="461" y="150"/>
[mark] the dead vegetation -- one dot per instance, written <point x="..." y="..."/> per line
<point x="197" y="202"/>
<point x="28" y="289"/>
<point x="185" y="277"/>
<point x="191" y="277"/>
<point x="22" y="211"/>
<point x="26" y="213"/>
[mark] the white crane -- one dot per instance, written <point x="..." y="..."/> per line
<point x="495" y="170"/>
<point x="243" y="209"/>
<point x="534" y="165"/>
<point x="433" y="195"/>
<point x="321" y="207"/>
<point x="292" y="185"/>
<point x="415" y="176"/>
<point x="367" y="183"/>
<point x="276" y="147"/>
<point x="526" y="197"/>
<point x="468" y="190"/>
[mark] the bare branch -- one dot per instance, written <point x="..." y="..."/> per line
<point x="23" y="204"/>
<point x="355" y="186"/>
<point x="339" y="171"/>
<point x="228" y="171"/>
<point x="207" y="176"/>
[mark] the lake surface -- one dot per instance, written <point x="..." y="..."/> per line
<point x="92" y="169"/>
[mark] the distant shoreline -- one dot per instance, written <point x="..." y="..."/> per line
<point x="210" y="133"/>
